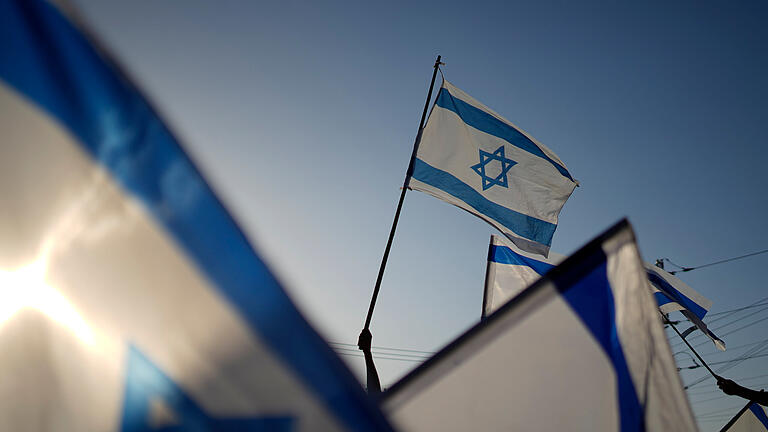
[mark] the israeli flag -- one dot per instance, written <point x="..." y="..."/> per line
<point x="581" y="349"/>
<point x="129" y="298"/>
<point x="751" y="418"/>
<point x="672" y="294"/>
<point x="510" y="270"/>
<point x="475" y="159"/>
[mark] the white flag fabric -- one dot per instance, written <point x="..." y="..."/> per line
<point x="510" y="270"/>
<point x="129" y="298"/>
<point x="581" y="349"/>
<point x="672" y="294"/>
<point x="473" y="158"/>
<point x="751" y="418"/>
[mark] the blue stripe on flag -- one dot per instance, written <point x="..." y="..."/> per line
<point x="145" y="383"/>
<point x="759" y="412"/>
<point x="591" y="298"/>
<point x="523" y="225"/>
<point x="505" y="255"/>
<point x="661" y="298"/>
<point x="676" y="295"/>
<point x="43" y="57"/>
<point x="489" y="124"/>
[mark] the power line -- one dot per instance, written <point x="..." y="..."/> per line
<point x="726" y="334"/>
<point x="710" y="399"/>
<point x="380" y="357"/>
<point x="723" y="315"/>
<point x="764" y="307"/>
<point x="410" y="356"/>
<point x="750" y="354"/>
<point x="751" y="378"/>
<point x="717" y="390"/>
<point x="700" y="335"/>
<point x="736" y="330"/>
<point x="740" y="359"/>
<point x="719" y="412"/>
<point x="723" y="395"/>
<point x="687" y="269"/>
<point x="385" y="348"/>
<point x="712" y="420"/>
<point x="761" y="302"/>
<point x="731" y="349"/>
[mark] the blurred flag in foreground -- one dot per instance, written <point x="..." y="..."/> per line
<point x="129" y="298"/>
<point x="580" y="349"/>
<point x="510" y="270"/>
<point x="751" y="418"/>
<point x="474" y="159"/>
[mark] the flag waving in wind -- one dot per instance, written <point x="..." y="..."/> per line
<point x="130" y="300"/>
<point x="510" y="270"/>
<point x="473" y="158"/>
<point x="672" y="294"/>
<point x="581" y="349"/>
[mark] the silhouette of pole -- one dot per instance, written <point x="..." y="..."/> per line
<point x="703" y="363"/>
<point x="660" y="264"/>
<point x="400" y="203"/>
<point x="364" y="340"/>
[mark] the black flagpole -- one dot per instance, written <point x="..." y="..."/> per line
<point x="487" y="280"/>
<point x="703" y="363"/>
<point x="408" y="173"/>
<point x="660" y="264"/>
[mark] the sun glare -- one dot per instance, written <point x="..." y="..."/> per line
<point x="26" y="287"/>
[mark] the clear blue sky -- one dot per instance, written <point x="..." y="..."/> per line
<point x="303" y="114"/>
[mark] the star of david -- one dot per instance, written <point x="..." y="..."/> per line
<point x="485" y="159"/>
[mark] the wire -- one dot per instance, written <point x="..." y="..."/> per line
<point x="757" y="303"/>
<point x="745" y="358"/>
<point x="736" y="330"/>
<point x="710" y="399"/>
<point x="727" y="333"/>
<point x="378" y="353"/>
<point x="687" y="269"/>
<point x="714" y="420"/>
<point x="385" y="348"/>
<point x="749" y="354"/>
<point x="382" y="353"/>
<point x="732" y="349"/>
<point x="728" y="312"/>
<point x="722" y="411"/>
<point x="700" y="335"/>
<point x="751" y="378"/>
<point x="716" y="390"/>
<point x="381" y="357"/>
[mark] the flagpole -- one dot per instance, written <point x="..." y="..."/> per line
<point x="400" y="203"/>
<point x="487" y="279"/>
<point x="660" y="264"/>
<point x="689" y="346"/>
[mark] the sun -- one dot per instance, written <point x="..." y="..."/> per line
<point x="26" y="287"/>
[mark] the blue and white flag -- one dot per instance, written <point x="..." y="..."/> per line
<point x="129" y="298"/>
<point x="510" y="270"/>
<point x="581" y="349"/>
<point x="672" y="294"/>
<point x="473" y="158"/>
<point x="751" y="418"/>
